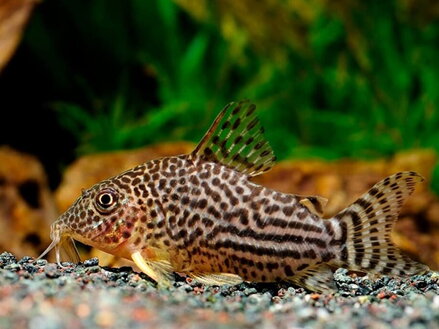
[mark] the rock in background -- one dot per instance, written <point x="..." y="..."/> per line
<point x="27" y="207"/>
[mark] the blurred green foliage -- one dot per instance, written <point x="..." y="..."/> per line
<point x="331" y="79"/>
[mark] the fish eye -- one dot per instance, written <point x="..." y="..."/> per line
<point x="106" y="200"/>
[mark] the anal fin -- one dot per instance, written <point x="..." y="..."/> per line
<point x="218" y="279"/>
<point x="319" y="278"/>
<point x="160" y="270"/>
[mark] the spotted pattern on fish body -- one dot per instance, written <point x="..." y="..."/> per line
<point x="201" y="215"/>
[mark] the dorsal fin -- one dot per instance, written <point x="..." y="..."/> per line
<point x="236" y="140"/>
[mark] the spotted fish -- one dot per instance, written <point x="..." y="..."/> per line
<point x="201" y="214"/>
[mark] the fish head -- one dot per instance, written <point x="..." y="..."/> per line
<point x="104" y="217"/>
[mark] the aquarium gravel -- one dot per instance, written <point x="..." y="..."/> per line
<point x="37" y="294"/>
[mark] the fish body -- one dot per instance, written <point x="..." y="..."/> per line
<point x="200" y="214"/>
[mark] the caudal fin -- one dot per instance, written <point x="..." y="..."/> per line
<point x="366" y="227"/>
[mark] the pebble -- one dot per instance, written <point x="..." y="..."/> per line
<point x="249" y="291"/>
<point x="7" y="258"/>
<point x="11" y="277"/>
<point x="30" y="268"/>
<point x="91" y="262"/>
<point x="51" y="271"/>
<point x="93" y="269"/>
<point x="25" y="259"/>
<point x="12" y="267"/>
<point x="41" y="262"/>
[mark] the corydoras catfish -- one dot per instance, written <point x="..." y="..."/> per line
<point x="201" y="214"/>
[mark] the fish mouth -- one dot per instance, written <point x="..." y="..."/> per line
<point x="61" y="241"/>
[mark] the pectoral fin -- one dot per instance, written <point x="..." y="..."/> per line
<point x="69" y="248"/>
<point x="218" y="279"/>
<point x="160" y="271"/>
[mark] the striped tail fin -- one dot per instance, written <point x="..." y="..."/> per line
<point x="366" y="227"/>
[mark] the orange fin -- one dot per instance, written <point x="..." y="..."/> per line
<point x="160" y="271"/>
<point x="236" y="140"/>
<point x="69" y="248"/>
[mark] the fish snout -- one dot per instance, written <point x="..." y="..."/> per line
<point x="60" y="228"/>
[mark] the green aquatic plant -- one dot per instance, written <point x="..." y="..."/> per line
<point x="346" y="79"/>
